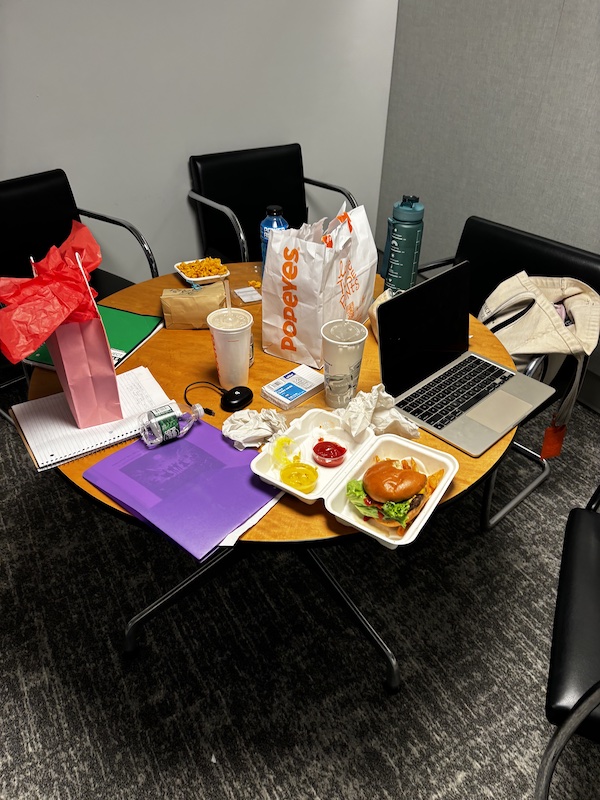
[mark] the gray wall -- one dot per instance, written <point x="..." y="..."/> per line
<point x="119" y="94"/>
<point x="494" y="110"/>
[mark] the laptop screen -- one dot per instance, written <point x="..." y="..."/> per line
<point x="423" y="329"/>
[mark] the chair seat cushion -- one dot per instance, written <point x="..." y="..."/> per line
<point x="575" y="652"/>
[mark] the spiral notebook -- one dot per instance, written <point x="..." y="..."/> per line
<point x="52" y="437"/>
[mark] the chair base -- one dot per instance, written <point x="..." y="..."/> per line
<point x="489" y="521"/>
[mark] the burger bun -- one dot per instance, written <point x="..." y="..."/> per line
<point x="386" y="481"/>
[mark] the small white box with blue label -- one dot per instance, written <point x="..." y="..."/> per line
<point x="294" y="387"/>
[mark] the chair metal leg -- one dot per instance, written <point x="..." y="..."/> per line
<point x="488" y="521"/>
<point x="10" y="382"/>
<point x="582" y="709"/>
<point x="6" y="416"/>
<point x="393" y="671"/>
<point x="173" y="595"/>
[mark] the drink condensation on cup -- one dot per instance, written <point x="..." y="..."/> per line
<point x="343" y="345"/>
<point x="231" y="332"/>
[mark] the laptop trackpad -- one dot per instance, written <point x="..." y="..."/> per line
<point x="499" y="411"/>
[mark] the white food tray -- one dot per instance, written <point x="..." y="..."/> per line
<point x="331" y="483"/>
<point x="200" y="281"/>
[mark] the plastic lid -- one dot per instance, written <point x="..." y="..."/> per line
<point x="409" y="209"/>
<point x="274" y="211"/>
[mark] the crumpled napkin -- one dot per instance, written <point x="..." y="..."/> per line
<point x="376" y="409"/>
<point x="248" y="428"/>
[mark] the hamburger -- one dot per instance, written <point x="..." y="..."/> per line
<point x="392" y="493"/>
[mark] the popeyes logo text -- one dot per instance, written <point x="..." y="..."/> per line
<point x="289" y="273"/>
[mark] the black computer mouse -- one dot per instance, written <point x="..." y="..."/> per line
<point x="236" y="398"/>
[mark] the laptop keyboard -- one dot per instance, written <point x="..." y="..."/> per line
<point x="443" y="399"/>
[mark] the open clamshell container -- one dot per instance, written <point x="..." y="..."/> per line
<point x="361" y="453"/>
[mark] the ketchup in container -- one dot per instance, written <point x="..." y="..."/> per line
<point x="329" y="454"/>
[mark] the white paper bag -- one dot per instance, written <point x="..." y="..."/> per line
<point x="312" y="277"/>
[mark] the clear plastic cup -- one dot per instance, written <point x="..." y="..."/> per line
<point x="343" y="345"/>
<point x="231" y="331"/>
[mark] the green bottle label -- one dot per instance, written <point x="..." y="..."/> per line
<point x="167" y="423"/>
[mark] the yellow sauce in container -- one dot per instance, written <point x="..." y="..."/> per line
<point x="302" y="477"/>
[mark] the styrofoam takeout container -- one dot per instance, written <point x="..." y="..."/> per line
<point x="361" y="454"/>
<point x="199" y="281"/>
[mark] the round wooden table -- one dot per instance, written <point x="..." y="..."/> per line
<point x="178" y="358"/>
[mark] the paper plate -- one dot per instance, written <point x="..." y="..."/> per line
<point x="200" y="281"/>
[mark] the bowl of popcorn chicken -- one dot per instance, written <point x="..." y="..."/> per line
<point x="202" y="270"/>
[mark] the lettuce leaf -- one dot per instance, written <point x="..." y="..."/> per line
<point x="396" y="511"/>
<point x="390" y="510"/>
<point x="356" y="495"/>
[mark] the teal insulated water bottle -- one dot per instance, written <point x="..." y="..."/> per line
<point x="273" y="220"/>
<point x="403" y="243"/>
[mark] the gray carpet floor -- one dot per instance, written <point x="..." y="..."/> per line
<point x="259" y="686"/>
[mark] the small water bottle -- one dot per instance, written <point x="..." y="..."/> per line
<point x="165" y="423"/>
<point x="273" y="220"/>
<point x="403" y="244"/>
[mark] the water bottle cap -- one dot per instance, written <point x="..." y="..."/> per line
<point x="274" y="211"/>
<point x="409" y="210"/>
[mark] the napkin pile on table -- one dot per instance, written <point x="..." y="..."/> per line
<point x="374" y="409"/>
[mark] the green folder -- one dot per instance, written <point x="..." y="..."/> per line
<point x="125" y="330"/>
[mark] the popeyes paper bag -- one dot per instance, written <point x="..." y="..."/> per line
<point x="312" y="276"/>
<point x="57" y="306"/>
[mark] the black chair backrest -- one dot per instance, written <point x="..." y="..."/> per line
<point x="497" y="252"/>
<point x="247" y="181"/>
<point x="37" y="212"/>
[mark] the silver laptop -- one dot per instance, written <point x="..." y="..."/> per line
<point x="464" y="399"/>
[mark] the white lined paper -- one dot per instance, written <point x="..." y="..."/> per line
<point x="49" y="429"/>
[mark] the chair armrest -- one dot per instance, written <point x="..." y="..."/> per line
<point x="594" y="501"/>
<point x="535" y="364"/>
<point x="239" y="231"/>
<point x="333" y="188"/>
<point x="444" y="262"/>
<point x="132" y="229"/>
<point x="582" y="709"/>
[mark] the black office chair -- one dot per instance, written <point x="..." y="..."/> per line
<point x="37" y="212"/>
<point x="232" y="190"/>
<point x="573" y="692"/>
<point x="497" y="252"/>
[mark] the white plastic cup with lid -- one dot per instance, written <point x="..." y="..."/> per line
<point x="231" y="332"/>
<point x="343" y="342"/>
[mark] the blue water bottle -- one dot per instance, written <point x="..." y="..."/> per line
<point x="273" y="220"/>
<point x="403" y="244"/>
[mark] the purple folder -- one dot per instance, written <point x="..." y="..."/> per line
<point x="197" y="489"/>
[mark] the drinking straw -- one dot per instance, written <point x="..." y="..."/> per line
<point x="344" y="288"/>
<point x="228" y="298"/>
